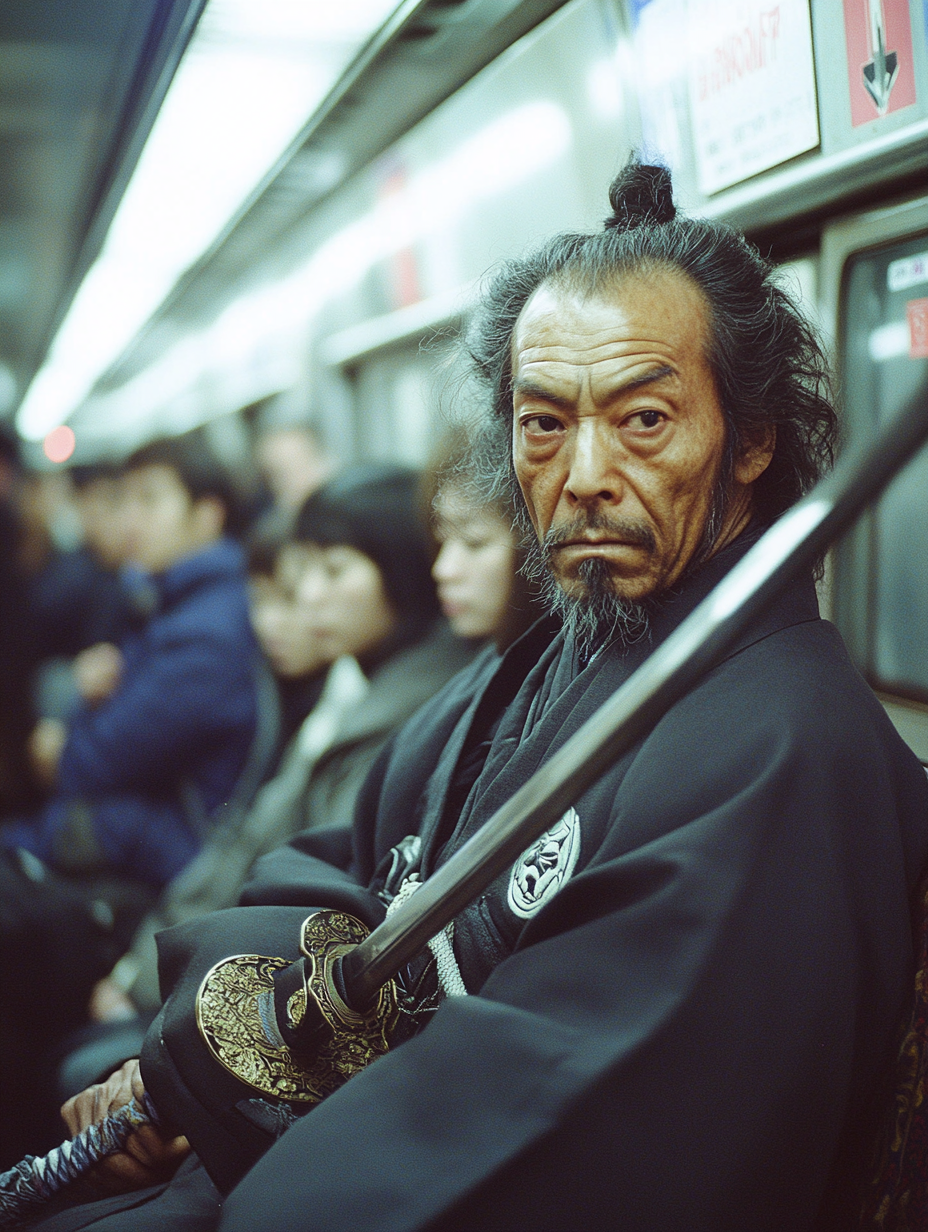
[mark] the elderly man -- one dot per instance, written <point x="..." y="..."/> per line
<point x="676" y="1010"/>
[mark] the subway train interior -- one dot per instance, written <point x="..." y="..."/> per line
<point x="204" y="207"/>
<point x="218" y="217"/>
<point x="208" y="206"/>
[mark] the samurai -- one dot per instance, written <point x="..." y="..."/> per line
<point x="679" y="1009"/>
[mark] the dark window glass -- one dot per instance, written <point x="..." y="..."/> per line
<point x="882" y="567"/>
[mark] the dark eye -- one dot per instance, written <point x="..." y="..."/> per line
<point x="545" y="423"/>
<point x="649" y="419"/>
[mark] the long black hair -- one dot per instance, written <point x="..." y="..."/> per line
<point x="374" y="508"/>
<point x="768" y="365"/>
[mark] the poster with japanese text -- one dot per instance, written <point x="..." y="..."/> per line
<point x="751" y="86"/>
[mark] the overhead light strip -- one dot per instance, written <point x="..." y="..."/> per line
<point x="246" y="86"/>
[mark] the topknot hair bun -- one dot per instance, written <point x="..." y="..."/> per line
<point x="641" y="194"/>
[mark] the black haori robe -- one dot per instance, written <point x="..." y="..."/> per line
<point x="682" y="1005"/>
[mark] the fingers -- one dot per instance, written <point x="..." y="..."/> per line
<point x="78" y="1112"/>
<point x="151" y="1150"/>
<point x="98" y="1101"/>
<point x="148" y="1157"/>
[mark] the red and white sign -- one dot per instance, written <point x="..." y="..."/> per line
<point x="917" y="312"/>
<point x="880" y="67"/>
<point x="752" y="86"/>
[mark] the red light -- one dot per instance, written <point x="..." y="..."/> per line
<point x="59" y="444"/>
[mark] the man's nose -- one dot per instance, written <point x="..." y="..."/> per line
<point x="594" y="476"/>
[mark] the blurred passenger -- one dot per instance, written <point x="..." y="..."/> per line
<point x="169" y="714"/>
<point x="293" y="462"/>
<point x="99" y="497"/>
<point x="283" y="629"/>
<point x="363" y="554"/>
<point x="482" y="590"/>
<point x="79" y="598"/>
<point x="158" y="744"/>
<point x="18" y="788"/>
<point x="362" y="561"/>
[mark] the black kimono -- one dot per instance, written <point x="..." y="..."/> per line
<point x="681" y="1004"/>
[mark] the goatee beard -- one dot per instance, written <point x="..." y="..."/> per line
<point x="593" y="615"/>
<point x="597" y="616"/>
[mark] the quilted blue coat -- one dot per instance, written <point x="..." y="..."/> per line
<point x="142" y="772"/>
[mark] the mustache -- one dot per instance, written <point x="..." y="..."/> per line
<point x="624" y="530"/>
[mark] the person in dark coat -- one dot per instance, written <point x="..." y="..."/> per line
<point x="137" y="773"/>
<point x="676" y="1009"/>
<point x="78" y="599"/>
<point x="168" y="721"/>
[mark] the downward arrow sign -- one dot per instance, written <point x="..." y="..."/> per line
<point x="881" y="70"/>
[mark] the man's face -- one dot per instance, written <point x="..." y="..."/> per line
<point x="100" y="508"/>
<point x="163" y="524"/>
<point x="618" y="435"/>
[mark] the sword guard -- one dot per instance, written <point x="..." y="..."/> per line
<point x="284" y="1029"/>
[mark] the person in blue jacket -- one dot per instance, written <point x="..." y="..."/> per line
<point x="168" y="716"/>
<point x="156" y="746"/>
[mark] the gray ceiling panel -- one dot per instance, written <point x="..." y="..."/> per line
<point x="428" y="50"/>
<point x="80" y="83"/>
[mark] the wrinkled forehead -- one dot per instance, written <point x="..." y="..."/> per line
<point x="565" y="319"/>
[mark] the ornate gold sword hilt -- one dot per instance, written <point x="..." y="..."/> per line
<point x="284" y="1028"/>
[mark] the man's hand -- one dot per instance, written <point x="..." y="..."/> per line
<point x="148" y="1157"/>
<point x="46" y="743"/>
<point x="98" y="671"/>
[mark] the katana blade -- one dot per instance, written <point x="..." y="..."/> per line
<point x="790" y="546"/>
<point x="699" y="643"/>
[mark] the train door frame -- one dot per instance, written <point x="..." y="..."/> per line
<point x="843" y="239"/>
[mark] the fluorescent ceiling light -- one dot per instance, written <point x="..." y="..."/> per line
<point x="249" y="81"/>
<point x="255" y="346"/>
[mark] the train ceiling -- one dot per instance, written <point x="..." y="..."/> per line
<point x="78" y="95"/>
<point x="80" y="84"/>
<point x="418" y="57"/>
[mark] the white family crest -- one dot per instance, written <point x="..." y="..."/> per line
<point x="543" y="868"/>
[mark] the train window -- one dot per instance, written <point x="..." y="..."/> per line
<point x="881" y="582"/>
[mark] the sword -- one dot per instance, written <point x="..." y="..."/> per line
<point x="359" y="971"/>
<point x="788" y="548"/>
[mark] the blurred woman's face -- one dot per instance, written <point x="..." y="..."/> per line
<point x="475" y="566"/>
<point x="344" y="596"/>
<point x="282" y="624"/>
